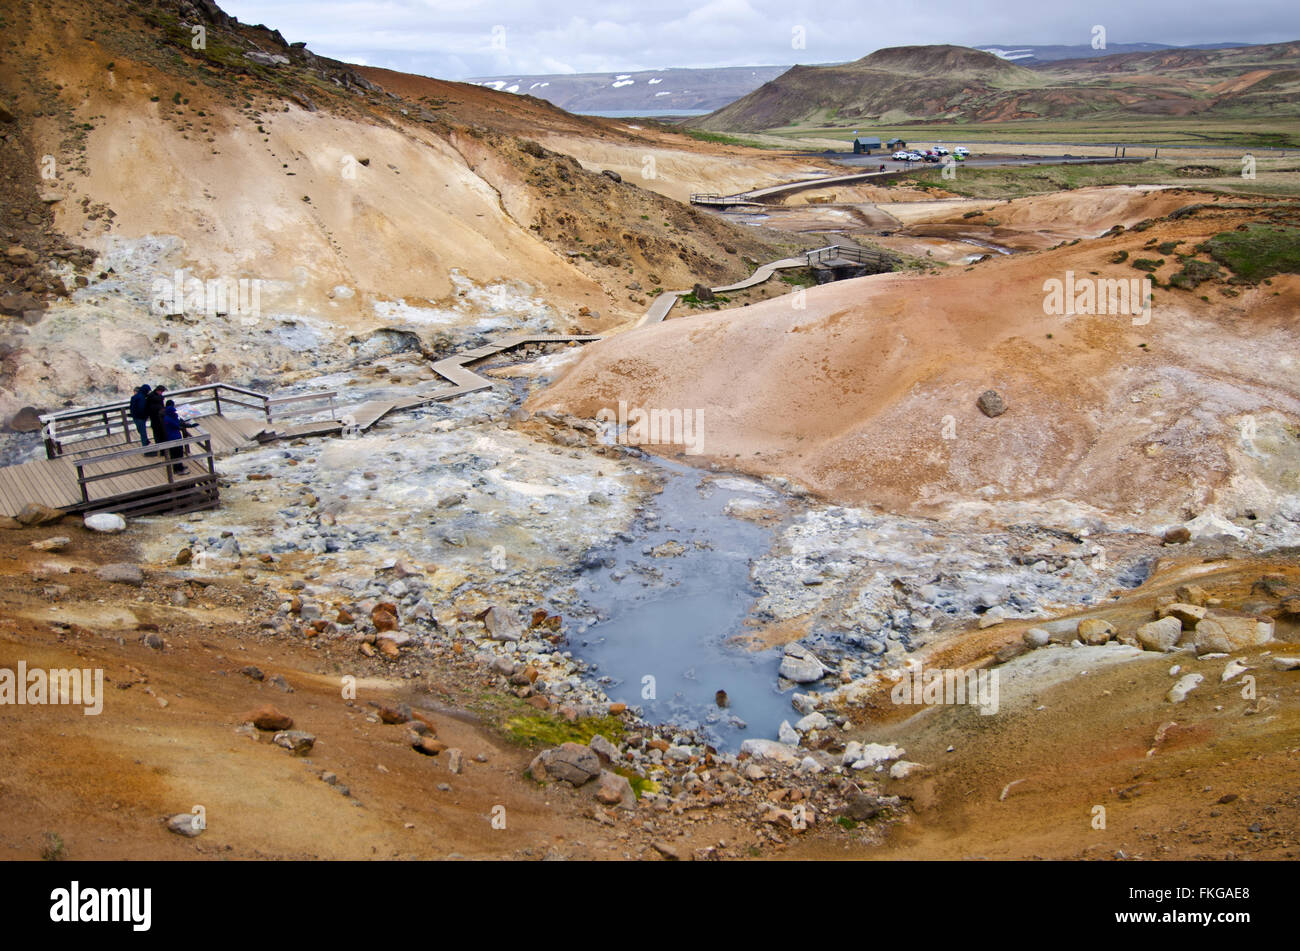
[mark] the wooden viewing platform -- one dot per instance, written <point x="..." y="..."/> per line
<point x="94" y="462"/>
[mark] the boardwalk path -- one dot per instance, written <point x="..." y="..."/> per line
<point x="97" y="467"/>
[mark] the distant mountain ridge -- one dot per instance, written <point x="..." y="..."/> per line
<point x="912" y="83"/>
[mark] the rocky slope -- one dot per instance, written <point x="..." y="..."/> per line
<point x="149" y="140"/>
<point x="867" y="391"/>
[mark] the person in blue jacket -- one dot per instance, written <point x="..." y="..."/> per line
<point x="140" y="412"/>
<point x="174" y="428"/>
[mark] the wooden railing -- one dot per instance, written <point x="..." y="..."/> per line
<point x="837" y="252"/>
<point x="161" y="493"/>
<point x="65" y="429"/>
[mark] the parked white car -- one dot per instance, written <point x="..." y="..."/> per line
<point x="902" y="157"/>
<point x="940" y="150"/>
<point x="962" y="150"/>
<point x="915" y="157"/>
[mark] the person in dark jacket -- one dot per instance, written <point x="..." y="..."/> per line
<point x="154" y="405"/>
<point x="175" y="429"/>
<point x="140" y="412"/>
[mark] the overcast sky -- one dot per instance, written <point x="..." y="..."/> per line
<point x="458" y="39"/>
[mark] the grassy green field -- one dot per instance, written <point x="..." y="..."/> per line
<point x="1216" y="133"/>
<point x="1272" y="177"/>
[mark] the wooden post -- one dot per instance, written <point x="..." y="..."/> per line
<point x="81" y="481"/>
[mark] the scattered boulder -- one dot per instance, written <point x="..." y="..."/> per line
<point x="106" y="522"/>
<point x="1095" y="631"/>
<point x="770" y="749"/>
<point x="1186" y="684"/>
<point x="615" y="790"/>
<point x="267" y="59"/>
<point x="187" y="824"/>
<point x="612" y="176"/>
<point x="1160" y="635"/>
<point x="1223" y="635"/>
<point x="570" y="762"/>
<point x="501" y="624"/>
<point x="27" y="419"/>
<point x="604" y="748"/>
<point x="991" y="403"/>
<point x="57" y="543"/>
<point x="384" y="616"/>
<point x="296" y="741"/>
<point x="268" y="719"/>
<point x="34" y="514"/>
<point x="1188" y="615"/>
<point x="455" y="760"/>
<point x="1286" y="663"/>
<point x="1178" y="535"/>
<point x="800" y="665"/>
<point x="861" y="807"/>
<point x="398" y="714"/>
<point x="121" y="574"/>
<point x="427" y="745"/>
<point x="702" y="293"/>
<point x="1036" y="637"/>
<point x="867" y="755"/>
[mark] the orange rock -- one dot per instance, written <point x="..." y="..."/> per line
<point x="428" y="745"/>
<point x="383" y="620"/>
<point x="268" y="718"/>
<point x="658" y="744"/>
<point x="345" y="616"/>
<point x="433" y="727"/>
<point x="539" y="616"/>
<point x="617" y="708"/>
<point x="538" y="701"/>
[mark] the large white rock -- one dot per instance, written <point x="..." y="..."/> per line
<point x="1160" y="635"/>
<point x="800" y="665"/>
<point x="105" y="522"/>
<point x="771" y="749"/>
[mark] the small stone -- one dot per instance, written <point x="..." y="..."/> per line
<point x="991" y="403"/>
<point x="296" y="741"/>
<point x="1186" y="684"/>
<point x="57" y="543"/>
<point x="253" y="673"/>
<point x="121" y="574"/>
<point x="1178" y="535"/>
<point x="455" y="760"/>
<point x="187" y="824"/>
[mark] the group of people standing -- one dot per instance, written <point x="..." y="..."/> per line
<point x="150" y="409"/>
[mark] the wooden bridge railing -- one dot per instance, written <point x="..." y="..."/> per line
<point x="168" y="491"/>
<point x="65" y="429"/>
<point x="842" y="253"/>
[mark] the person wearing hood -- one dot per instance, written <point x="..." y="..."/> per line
<point x="140" y="412"/>
<point x="154" y="406"/>
<point x="174" y="428"/>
